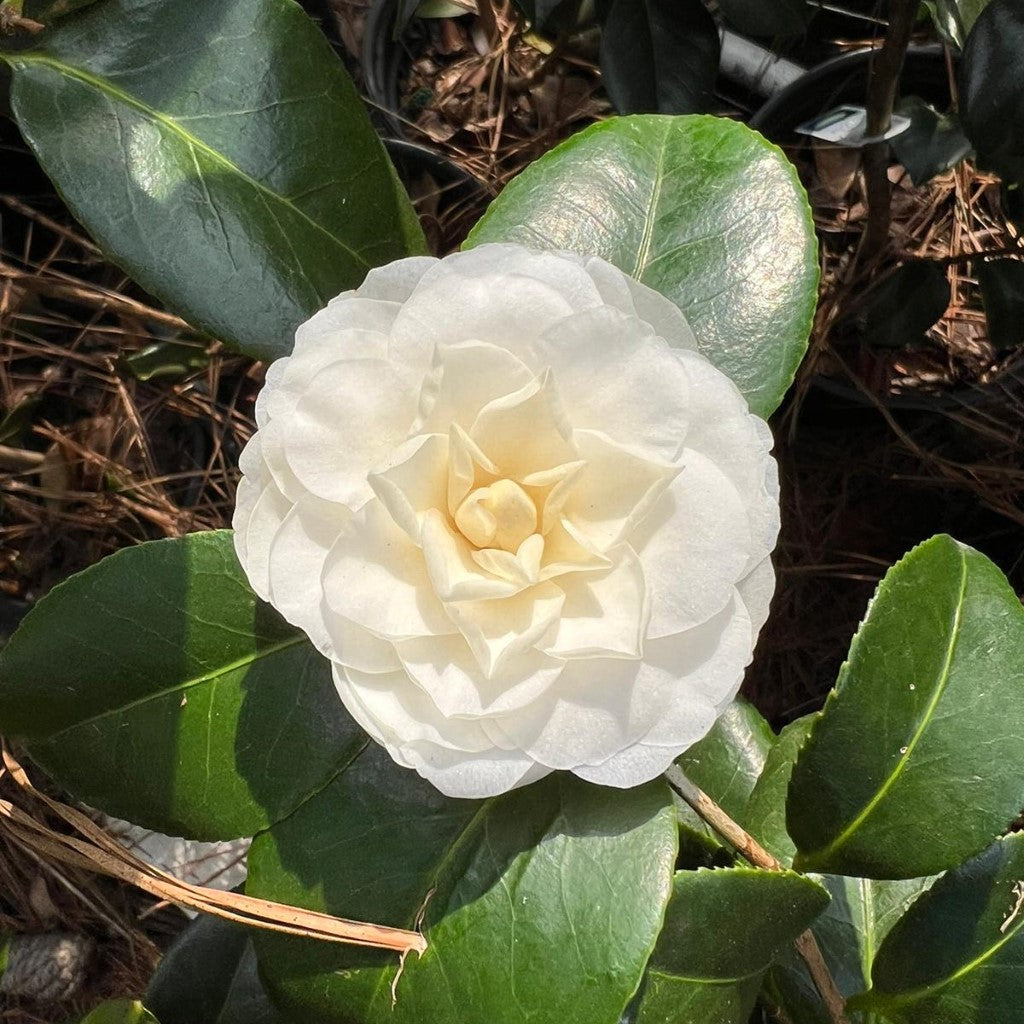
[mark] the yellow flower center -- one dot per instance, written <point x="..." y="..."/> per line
<point x="499" y="516"/>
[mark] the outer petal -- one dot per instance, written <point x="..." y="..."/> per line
<point x="374" y="576"/>
<point x="472" y="776"/>
<point x="615" y="376"/>
<point x="257" y="531"/>
<point x="665" y="318"/>
<point x="756" y="590"/>
<point x="446" y="670"/>
<point x="694" y="546"/>
<point x="396" y="281"/>
<point x="634" y="765"/>
<point x="351" y="417"/>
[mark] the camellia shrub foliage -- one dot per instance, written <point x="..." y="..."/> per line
<point x="467" y="664"/>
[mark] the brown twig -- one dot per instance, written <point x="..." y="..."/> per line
<point x="882" y="88"/>
<point x="753" y="852"/>
<point x="11" y="19"/>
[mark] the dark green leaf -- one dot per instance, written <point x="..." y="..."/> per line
<point x="932" y="144"/>
<point x="955" y="18"/>
<point x="992" y="88"/>
<point x="155" y="686"/>
<point x="659" y="56"/>
<point x="209" y="977"/>
<point x="918" y="758"/>
<point x="225" y="161"/>
<point x="757" y="18"/>
<point x="120" y="1011"/>
<point x="849" y="933"/>
<point x="899" y="309"/>
<point x="1002" y="291"/>
<point x="551" y="16"/>
<point x="765" y="817"/>
<point x="699" y="208"/>
<point x="542" y="905"/>
<point x="958" y="954"/>
<point x="722" y="930"/>
<point x="727" y="762"/>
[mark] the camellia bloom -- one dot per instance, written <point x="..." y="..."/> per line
<point x="525" y="519"/>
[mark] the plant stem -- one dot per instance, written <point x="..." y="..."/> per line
<point x="883" y="85"/>
<point x="11" y="18"/>
<point x="751" y="850"/>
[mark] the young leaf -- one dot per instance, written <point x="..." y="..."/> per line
<point x="1002" y="291"/>
<point x="156" y="687"/>
<point x="540" y="905"/>
<point x="701" y="209"/>
<point x="223" y="158"/>
<point x="659" y="56"/>
<point x="958" y="954"/>
<point x="727" y="762"/>
<point x="209" y="976"/>
<point x="917" y="760"/>
<point x="722" y="930"/>
<point x="766" y="809"/>
<point x="992" y="88"/>
<point x="955" y="18"/>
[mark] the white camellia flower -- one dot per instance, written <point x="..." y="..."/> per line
<point x="528" y="523"/>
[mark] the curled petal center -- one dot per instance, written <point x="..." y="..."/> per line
<point x="501" y="515"/>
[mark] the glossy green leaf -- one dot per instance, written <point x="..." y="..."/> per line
<point x="728" y="761"/>
<point x="156" y="687"/>
<point x="120" y="1011"/>
<point x="757" y="18"/>
<point x="992" y="88"/>
<point x="955" y="18"/>
<point x="722" y="930"/>
<point x="849" y="933"/>
<point x="209" y="976"/>
<point x="1002" y="291"/>
<point x="539" y="906"/>
<point x="917" y="761"/>
<point x="659" y="56"/>
<point x="932" y="144"/>
<point x="765" y="817"/>
<point x="225" y="161"/>
<point x="958" y="954"/>
<point x="904" y="304"/>
<point x="701" y="209"/>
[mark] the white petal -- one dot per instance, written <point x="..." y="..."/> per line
<point x="396" y="281"/>
<point x="615" y="376"/>
<point x="568" y="549"/>
<point x="633" y="766"/>
<point x="414" y="480"/>
<point x="508" y="310"/>
<point x="756" y="590"/>
<point x="466" y="463"/>
<point x="446" y="670"/>
<point x="375" y="576"/>
<point x="615" y="491"/>
<point x="348" y="328"/>
<point x="265" y="519"/>
<point x="463" y="379"/>
<point x="473" y="776"/>
<point x="296" y="561"/>
<point x="694" y="546"/>
<point x="739" y="443"/>
<point x="450" y="566"/>
<point x="665" y="318"/>
<point x="525" y="431"/>
<point x="404" y="714"/>
<point x="605" y="614"/>
<point x="497" y="630"/>
<point x="351" y="417"/>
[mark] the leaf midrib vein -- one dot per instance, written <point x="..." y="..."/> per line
<point x="166" y="120"/>
<point x="188" y="684"/>
<point x="925" y="721"/>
